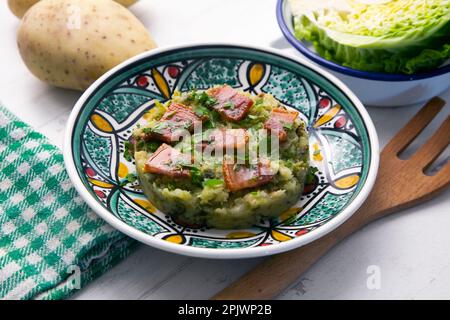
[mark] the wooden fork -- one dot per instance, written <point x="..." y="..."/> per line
<point x="400" y="184"/>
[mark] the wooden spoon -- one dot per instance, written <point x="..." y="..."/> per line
<point x="400" y="184"/>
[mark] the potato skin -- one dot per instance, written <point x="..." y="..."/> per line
<point x="19" y="7"/>
<point x="71" y="50"/>
<point x="126" y="3"/>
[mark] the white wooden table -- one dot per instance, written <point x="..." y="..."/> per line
<point x="411" y="249"/>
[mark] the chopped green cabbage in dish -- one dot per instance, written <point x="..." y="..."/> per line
<point x="392" y="36"/>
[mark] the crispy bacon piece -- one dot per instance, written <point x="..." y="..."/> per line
<point x="228" y="138"/>
<point x="175" y="120"/>
<point x="280" y="118"/>
<point x="232" y="105"/>
<point x="238" y="177"/>
<point x="165" y="161"/>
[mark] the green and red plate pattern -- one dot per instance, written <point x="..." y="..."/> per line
<point x="339" y="141"/>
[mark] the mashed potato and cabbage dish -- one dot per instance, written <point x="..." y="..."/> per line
<point x="221" y="157"/>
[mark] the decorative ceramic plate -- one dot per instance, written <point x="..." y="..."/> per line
<point x="343" y="143"/>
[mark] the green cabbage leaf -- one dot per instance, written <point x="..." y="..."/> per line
<point x="392" y="36"/>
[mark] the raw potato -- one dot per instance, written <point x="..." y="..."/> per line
<point x="71" y="43"/>
<point x="126" y="3"/>
<point x="19" y="7"/>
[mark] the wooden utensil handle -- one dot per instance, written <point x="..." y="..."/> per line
<point x="274" y="275"/>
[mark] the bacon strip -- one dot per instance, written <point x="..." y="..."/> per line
<point x="278" y="119"/>
<point x="165" y="161"/>
<point x="232" y="105"/>
<point x="238" y="177"/>
<point x="177" y="118"/>
<point x="228" y="138"/>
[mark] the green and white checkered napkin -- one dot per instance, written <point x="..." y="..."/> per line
<point x="50" y="241"/>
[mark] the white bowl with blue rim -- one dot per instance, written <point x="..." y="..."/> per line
<point x="372" y="88"/>
<point x="343" y="143"/>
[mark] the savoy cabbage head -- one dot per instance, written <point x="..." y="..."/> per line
<point x="393" y="36"/>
